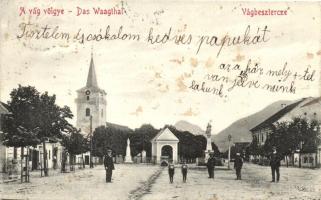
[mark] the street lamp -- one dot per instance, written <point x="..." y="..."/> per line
<point x="229" y="150"/>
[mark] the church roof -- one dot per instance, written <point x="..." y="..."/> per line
<point x="316" y="100"/>
<point x="4" y="108"/>
<point x="91" y="78"/>
<point x="165" y="135"/>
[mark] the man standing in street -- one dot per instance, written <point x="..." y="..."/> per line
<point x="238" y="163"/>
<point x="275" y="165"/>
<point x="184" y="171"/>
<point x="211" y="165"/>
<point x="109" y="165"/>
<point x="171" y="171"/>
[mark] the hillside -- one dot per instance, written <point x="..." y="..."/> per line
<point x="240" y="129"/>
<point x="186" y="126"/>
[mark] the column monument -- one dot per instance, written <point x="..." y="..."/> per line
<point x="209" y="140"/>
<point x="128" y="158"/>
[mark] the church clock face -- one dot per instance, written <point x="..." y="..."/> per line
<point x="87" y="92"/>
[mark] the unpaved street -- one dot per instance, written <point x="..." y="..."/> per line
<point x="149" y="182"/>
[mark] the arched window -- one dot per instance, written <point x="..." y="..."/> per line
<point x="87" y="112"/>
<point x="87" y="98"/>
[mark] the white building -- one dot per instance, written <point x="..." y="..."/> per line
<point x="3" y="150"/>
<point x="165" y="147"/>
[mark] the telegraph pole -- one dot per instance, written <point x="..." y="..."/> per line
<point x="91" y="142"/>
<point x="229" y="151"/>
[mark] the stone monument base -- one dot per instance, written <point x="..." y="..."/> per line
<point x="128" y="160"/>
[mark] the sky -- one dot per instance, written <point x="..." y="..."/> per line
<point x="148" y="83"/>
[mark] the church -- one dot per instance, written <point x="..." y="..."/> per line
<point x="91" y="103"/>
<point x="91" y="108"/>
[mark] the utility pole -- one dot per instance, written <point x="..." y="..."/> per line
<point x="91" y="143"/>
<point x="301" y="145"/>
<point x="229" y="151"/>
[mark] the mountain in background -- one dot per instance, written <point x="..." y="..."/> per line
<point x="240" y="129"/>
<point x="186" y="126"/>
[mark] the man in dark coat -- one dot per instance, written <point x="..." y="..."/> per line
<point x="109" y="165"/>
<point x="184" y="171"/>
<point x="171" y="171"/>
<point x="275" y="165"/>
<point x="211" y="165"/>
<point x="238" y="163"/>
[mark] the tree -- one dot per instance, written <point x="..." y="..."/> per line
<point x="75" y="143"/>
<point x="52" y="120"/>
<point x="141" y="139"/>
<point x="298" y="134"/>
<point x="38" y="115"/>
<point x="111" y="137"/>
<point x="19" y="127"/>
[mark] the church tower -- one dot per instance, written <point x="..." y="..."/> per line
<point x="91" y="103"/>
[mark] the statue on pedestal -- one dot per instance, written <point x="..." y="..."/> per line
<point x="128" y="158"/>
<point x="209" y="140"/>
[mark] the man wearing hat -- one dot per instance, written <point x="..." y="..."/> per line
<point x="238" y="163"/>
<point x="109" y="165"/>
<point x="275" y="165"/>
<point x="211" y="165"/>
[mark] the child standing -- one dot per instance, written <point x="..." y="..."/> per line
<point x="171" y="170"/>
<point x="184" y="171"/>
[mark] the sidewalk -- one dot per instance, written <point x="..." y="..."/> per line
<point x="6" y="178"/>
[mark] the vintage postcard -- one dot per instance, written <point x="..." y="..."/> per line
<point x="157" y="100"/>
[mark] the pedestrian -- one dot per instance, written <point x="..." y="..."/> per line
<point x="109" y="165"/>
<point x="238" y="163"/>
<point x="275" y="165"/>
<point x="171" y="171"/>
<point x="184" y="171"/>
<point x="211" y="165"/>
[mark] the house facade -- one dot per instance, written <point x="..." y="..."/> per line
<point x="308" y="108"/>
<point x="4" y="110"/>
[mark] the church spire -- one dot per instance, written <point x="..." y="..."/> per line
<point x="91" y="79"/>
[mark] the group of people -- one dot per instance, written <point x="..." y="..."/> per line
<point x="238" y="164"/>
<point x="171" y="172"/>
<point x="275" y="163"/>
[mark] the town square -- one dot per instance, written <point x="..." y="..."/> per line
<point x="73" y="167"/>
<point x="155" y="101"/>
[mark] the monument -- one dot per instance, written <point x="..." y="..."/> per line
<point x="209" y="140"/>
<point x="143" y="156"/>
<point x="128" y="158"/>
